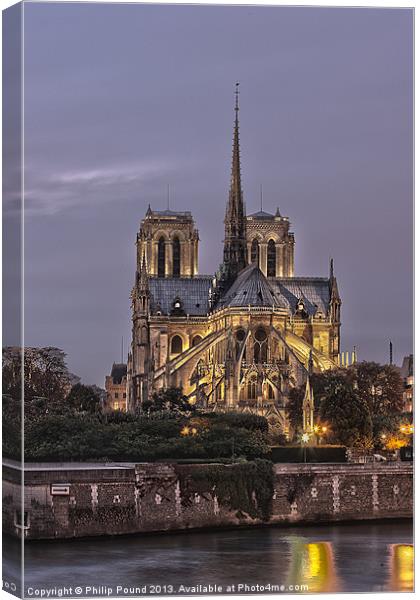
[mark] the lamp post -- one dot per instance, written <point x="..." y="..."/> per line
<point x="305" y="440"/>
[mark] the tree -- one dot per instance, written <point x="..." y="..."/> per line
<point x="45" y="374"/>
<point x="347" y="415"/>
<point x="294" y="408"/>
<point x="171" y="399"/>
<point x="380" y="386"/>
<point x="319" y="382"/>
<point x="84" y="398"/>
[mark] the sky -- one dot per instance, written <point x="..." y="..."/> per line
<point x="122" y="100"/>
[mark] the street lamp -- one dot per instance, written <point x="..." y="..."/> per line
<point x="305" y="440"/>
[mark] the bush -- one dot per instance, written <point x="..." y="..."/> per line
<point x="140" y="438"/>
<point x="241" y="420"/>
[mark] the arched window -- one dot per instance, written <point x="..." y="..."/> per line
<point x="255" y="252"/>
<point x="176" y="344"/>
<point x="144" y="335"/>
<point x="252" y="390"/>
<point x="270" y="392"/>
<point x="176" y="252"/>
<point x="260" y="346"/>
<point x="196" y="340"/>
<point x="271" y="259"/>
<point x="161" y="257"/>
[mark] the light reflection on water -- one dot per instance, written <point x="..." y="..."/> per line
<point x="327" y="558"/>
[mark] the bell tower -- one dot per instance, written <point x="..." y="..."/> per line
<point x="169" y="241"/>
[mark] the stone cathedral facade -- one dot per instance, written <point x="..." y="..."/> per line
<point x="238" y="340"/>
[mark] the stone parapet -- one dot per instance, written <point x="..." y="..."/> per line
<point x="75" y="500"/>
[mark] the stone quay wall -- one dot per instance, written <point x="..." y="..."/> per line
<point x="77" y="500"/>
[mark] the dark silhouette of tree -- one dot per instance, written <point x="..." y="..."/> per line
<point x="381" y="386"/>
<point x="171" y="400"/>
<point x="347" y="414"/>
<point x="45" y="374"/>
<point x="84" y="398"/>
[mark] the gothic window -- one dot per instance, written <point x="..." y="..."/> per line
<point x="271" y="259"/>
<point x="176" y="344"/>
<point x="260" y="346"/>
<point x="252" y="390"/>
<point x="176" y="250"/>
<point x="255" y="251"/>
<point x="270" y="392"/>
<point x="196" y="340"/>
<point x="161" y="257"/>
<point x="144" y="336"/>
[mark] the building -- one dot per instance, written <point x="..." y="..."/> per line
<point x="116" y="388"/>
<point x="407" y="375"/>
<point x="238" y="340"/>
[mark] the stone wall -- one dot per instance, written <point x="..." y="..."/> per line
<point x="85" y="500"/>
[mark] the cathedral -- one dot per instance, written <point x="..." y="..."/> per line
<point x="238" y="340"/>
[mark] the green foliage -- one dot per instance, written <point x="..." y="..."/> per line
<point x="170" y="399"/>
<point x="242" y="420"/>
<point x="358" y="404"/>
<point x="12" y="427"/>
<point x="83" y="398"/>
<point x="73" y="435"/>
<point x="294" y="408"/>
<point x="380" y="386"/>
<point x="244" y="487"/>
<point x="45" y="373"/>
<point x="347" y="414"/>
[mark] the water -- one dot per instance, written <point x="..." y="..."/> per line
<point x="361" y="557"/>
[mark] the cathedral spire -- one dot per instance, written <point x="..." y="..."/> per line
<point x="234" y="255"/>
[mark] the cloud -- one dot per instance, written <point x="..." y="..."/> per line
<point x="48" y="194"/>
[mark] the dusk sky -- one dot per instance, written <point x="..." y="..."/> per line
<point x="121" y="100"/>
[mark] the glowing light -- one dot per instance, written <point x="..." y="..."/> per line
<point x="402" y="565"/>
<point x="313" y="564"/>
<point x="193" y="431"/>
<point x="305" y="438"/>
<point x="324" y="429"/>
<point x="185" y="430"/>
<point x="316" y="428"/>
<point x="407" y="429"/>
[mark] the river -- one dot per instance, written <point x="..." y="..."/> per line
<point x="358" y="557"/>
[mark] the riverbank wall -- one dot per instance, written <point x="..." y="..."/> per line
<point x="78" y="500"/>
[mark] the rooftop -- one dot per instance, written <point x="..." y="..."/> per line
<point x="118" y="371"/>
<point x="168" y="214"/>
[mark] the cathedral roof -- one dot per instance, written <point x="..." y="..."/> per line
<point x="252" y="288"/>
<point x="193" y="293"/>
<point x="314" y="291"/>
<point x="261" y="214"/>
